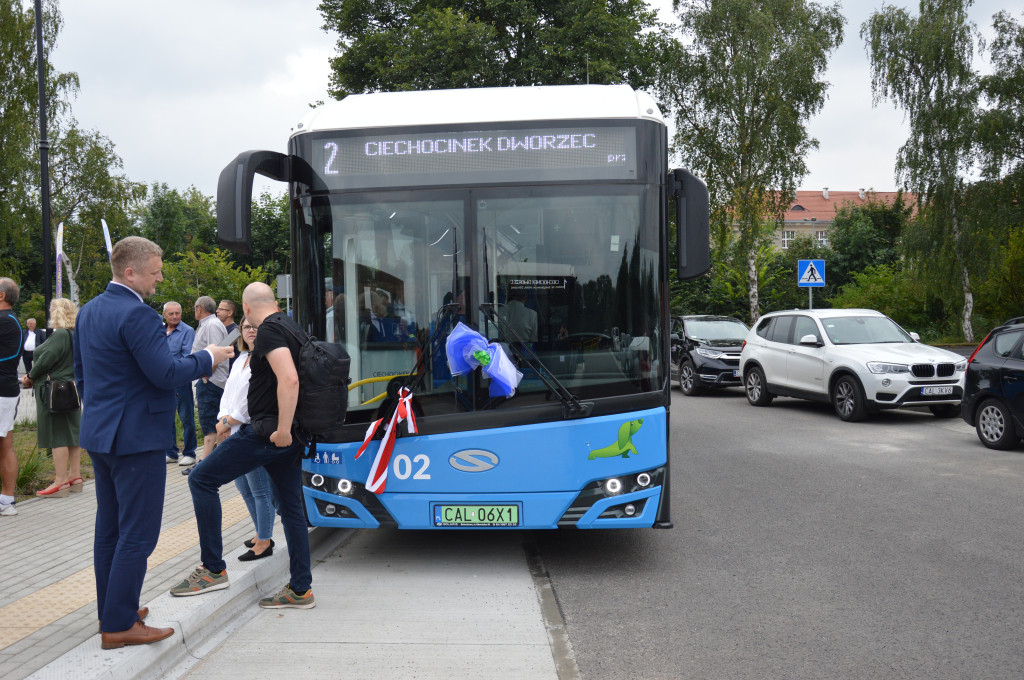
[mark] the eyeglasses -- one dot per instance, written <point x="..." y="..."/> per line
<point x="247" y="327"/>
<point x="221" y="309"/>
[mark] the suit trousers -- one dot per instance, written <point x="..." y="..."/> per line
<point x="240" y="453"/>
<point x="129" y="505"/>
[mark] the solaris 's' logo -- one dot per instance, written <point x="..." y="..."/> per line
<point x="473" y="460"/>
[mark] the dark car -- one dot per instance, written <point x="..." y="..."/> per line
<point x="706" y="351"/>
<point x="994" y="387"/>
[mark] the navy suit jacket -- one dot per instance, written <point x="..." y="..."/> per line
<point x="126" y="374"/>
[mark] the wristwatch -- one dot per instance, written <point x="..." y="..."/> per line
<point x="224" y="422"/>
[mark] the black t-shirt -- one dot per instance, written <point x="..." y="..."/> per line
<point x="11" y="341"/>
<point x="263" y="383"/>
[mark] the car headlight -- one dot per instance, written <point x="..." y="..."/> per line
<point x="710" y="353"/>
<point x="880" y="367"/>
<point x="961" y="366"/>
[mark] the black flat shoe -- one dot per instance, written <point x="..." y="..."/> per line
<point x="250" y="543"/>
<point x="249" y="556"/>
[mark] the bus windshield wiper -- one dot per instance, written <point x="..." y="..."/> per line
<point x="571" y="406"/>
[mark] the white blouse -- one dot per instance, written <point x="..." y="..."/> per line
<point x="235" y="400"/>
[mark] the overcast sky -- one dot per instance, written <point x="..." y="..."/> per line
<point x="181" y="88"/>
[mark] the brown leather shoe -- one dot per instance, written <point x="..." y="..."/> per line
<point x="138" y="634"/>
<point x="143" y="613"/>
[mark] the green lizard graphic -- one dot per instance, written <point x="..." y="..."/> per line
<point x="624" y="444"/>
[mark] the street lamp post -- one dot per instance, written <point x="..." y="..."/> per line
<point x="44" y="161"/>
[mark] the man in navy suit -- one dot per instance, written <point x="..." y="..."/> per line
<point x="127" y="376"/>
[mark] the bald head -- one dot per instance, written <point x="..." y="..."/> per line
<point x="258" y="302"/>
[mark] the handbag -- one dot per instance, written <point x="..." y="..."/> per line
<point x="61" y="396"/>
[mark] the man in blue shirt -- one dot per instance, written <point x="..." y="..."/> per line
<point x="180" y="337"/>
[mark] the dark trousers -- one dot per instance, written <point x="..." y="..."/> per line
<point x="238" y="454"/>
<point x="187" y="416"/>
<point x="26" y="358"/>
<point x="129" y="504"/>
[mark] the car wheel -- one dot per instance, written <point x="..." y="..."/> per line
<point x="757" y="388"/>
<point x="945" y="410"/>
<point x="994" y="426"/>
<point x="848" y="399"/>
<point x="688" y="379"/>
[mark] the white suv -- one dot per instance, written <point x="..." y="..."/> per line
<point x="858" y="359"/>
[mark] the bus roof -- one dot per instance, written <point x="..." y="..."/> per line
<point x="481" y="105"/>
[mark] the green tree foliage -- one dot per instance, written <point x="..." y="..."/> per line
<point x="19" y="130"/>
<point x="207" y="273"/>
<point x="1001" y="126"/>
<point x="86" y="185"/>
<point x="431" y="44"/>
<point x="864" y="235"/>
<point x="178" y="222"/>
<point x="743" y="83"/>
<point x="923" y="64"/>
<point x="896" y="292"/>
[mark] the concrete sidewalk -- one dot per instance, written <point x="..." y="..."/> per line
<point x="48" y="592"/>
<point x="390" y="604"/>
<point x="396" y="605"/>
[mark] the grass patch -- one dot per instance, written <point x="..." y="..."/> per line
<point x="35" y="466"/>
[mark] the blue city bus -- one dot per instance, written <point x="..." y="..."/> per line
<point x="538" y="219"/>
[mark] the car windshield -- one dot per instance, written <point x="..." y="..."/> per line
<point x="863" y="330"/>
<point x="732" y="332"/>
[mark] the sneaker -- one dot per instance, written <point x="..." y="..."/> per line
<point x="171" y="459"/>
<point x="7" y="510"/>
<point x="202" y="580"/>
<point x="187" y="460"/>
<point x="287" y="599"/>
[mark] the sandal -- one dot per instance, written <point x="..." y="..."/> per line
<point x="76" y="485"/>
<point x="54" y="491"/>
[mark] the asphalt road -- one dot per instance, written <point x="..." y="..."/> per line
<point x="805" y="547"/>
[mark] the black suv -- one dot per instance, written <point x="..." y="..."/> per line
<point x="706" y="351"/>
<point x="994" y="387"/>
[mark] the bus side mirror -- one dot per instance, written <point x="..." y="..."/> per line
<point x="693" y="230"/>
<point x="234" y="195"/>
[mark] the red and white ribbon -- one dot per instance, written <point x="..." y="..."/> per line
<point x="379" y="470"/>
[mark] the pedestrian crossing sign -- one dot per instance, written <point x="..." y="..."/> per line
<point x="810" y="273"/>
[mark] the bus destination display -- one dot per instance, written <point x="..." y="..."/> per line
<point x="567" y="153"/>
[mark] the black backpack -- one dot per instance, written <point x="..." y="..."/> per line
<point x="323" y="389"/>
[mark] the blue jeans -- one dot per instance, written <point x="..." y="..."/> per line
<point x="187" y="416"/>
<point x="240" y="453"/>
<point x="258" y="493"/>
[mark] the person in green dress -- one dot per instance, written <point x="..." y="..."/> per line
<point x="57" y="431"/>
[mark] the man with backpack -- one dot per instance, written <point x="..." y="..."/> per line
<point x="268" y="441"/>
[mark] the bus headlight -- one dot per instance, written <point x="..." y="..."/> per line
<point x="344" y="486"/>
<point x="317" y="480"/>
<point x="330" y="509"/>
<point x="630" y="510"/>
<point x="613" y="486"/>
<point x="643" y="479"/>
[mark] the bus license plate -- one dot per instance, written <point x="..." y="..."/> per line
<point x="936" y="391"/>
<point x="476" y="515"/>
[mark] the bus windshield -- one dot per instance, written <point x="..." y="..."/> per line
<point x="571" y="271"/>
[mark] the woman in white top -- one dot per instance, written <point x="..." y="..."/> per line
<point x="255" y="487"/>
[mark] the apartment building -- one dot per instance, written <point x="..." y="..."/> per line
<point x="812" y="212"/>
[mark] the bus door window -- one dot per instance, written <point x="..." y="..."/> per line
<point x="393" y="264"/>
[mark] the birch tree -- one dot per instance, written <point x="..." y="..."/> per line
<point x="743" y="83"/>
<point x="923" y="64"/>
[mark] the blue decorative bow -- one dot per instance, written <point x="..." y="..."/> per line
<point x="467" y="349"/>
